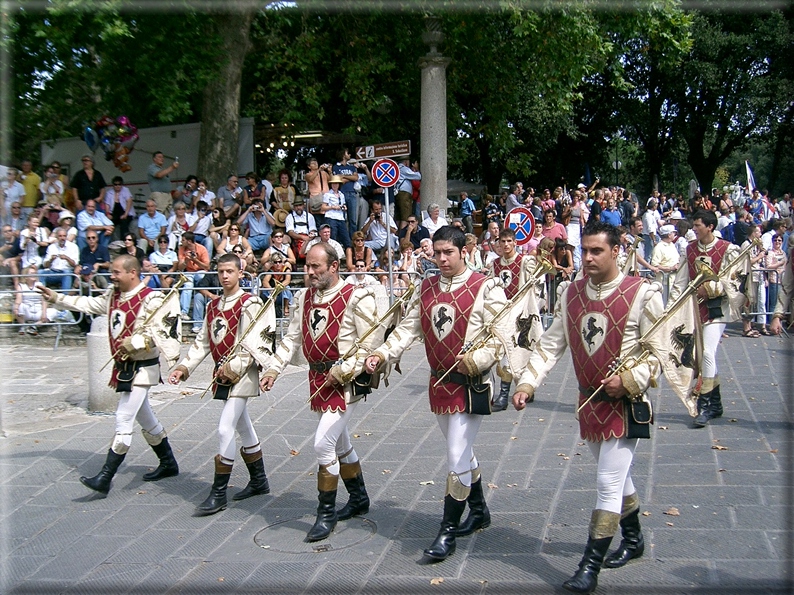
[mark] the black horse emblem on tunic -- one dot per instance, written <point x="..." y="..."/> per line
<point x="524" y="326"/>
<point x="317" y="318"/>
<point x="506" y="277"/>
<point x="219" y="326"/>
<point x="592" y="331"/>
<point x="116" y="320"/>
<point x="442" y="318"/>
<point x="685" y="345"/>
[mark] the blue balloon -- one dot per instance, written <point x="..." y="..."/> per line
<point x="91" y="138"/>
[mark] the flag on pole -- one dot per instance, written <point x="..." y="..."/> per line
<point x="750" y="178"/>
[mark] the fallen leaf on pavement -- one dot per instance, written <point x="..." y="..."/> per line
<point x="664" y="427"/>
<point x="541" y="419"/>
<point x="436" y="581"/>
<point x="669" y="524"/>
<point x="427" y="483"/>
<point x="733" y="420"/>
<point x="294" y="452"/>
<point x="512" y="485"/>
<point x="356" y="436"/>
<point x="513" y="438"/>
<point x="718" y="447"/>
<point x="220" y="579"/>
<point x="773" y="451"/>
<point x="386" y="471"/>
<point x="721" y="470"/>
<point x="646" y="513"/>
<point x="672" y="511"/>
<point x="493" y="486"/>
<point x="367" y="433"/>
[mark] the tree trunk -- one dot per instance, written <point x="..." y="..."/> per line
<point x="220" y="114"/>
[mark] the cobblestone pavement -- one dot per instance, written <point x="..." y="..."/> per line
<point x="730" y="484"/>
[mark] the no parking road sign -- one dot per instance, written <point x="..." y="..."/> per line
<point x="521" y="221"/>
<point x="385" y="172"/>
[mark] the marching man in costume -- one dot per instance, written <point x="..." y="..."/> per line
<point x="513" y="270"/>
<point x="331" y="315"/>
<point x="236" y="378"/>
<point x="449" y="312"/>
<point x="143" y="323"/>
<point x="601" y="317"/>
<point x="783" y="304"/>
<point x="717" y="306"/>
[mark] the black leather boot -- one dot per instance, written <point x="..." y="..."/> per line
<point x="716" y="402"/>
<point x="704" y="410"/>
<point x="167" y="467"/>
<point x="479" y="515"/>
<point x="500" y="402"/>
<point x="326" y="509"/>
<point x="216" y="501"/>
<point x="258" y="483"/>
<point x="603" y="525"/>
<point x="444" y="544"/>
<point x="101" y="481"/>
<point x="358" y="502"/>
<point x="632" y="545"/>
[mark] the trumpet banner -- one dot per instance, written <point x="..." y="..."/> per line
<point x="676" y="345"/>
<point x="260" y="340"/>
<point x="167" y="327"/>
<point x="519" y="331"/>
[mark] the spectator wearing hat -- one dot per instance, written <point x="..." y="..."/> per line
<point x="334" y="209"/>
<point x="96" y="257"/>
<point x="300" y="225"/>
<point x="665" y="256"/>
<point x="325" y="236"/>
<point x="88" y="277"/>
<point x="260" y="224"/>
<point x="65" y="221"/>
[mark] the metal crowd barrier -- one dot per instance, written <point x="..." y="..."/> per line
<point x="8" y="299"/>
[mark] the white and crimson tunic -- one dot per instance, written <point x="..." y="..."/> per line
<point x="226" y="319"/>
<point x="717" y="255"/>
<point x="591" y="322"/>
<point x="324" y="326"/>
<point x="599" y="323"/>
<point x="126" y="312"/>
<point x="448" y="313"/>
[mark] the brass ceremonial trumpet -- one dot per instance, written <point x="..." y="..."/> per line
<point x="485" y="334"/>
<point x="233" y="351"/>
<point x="729" y="272"/>
<point x="149" y="319"/>
<point x="705" y="273"/>
<point x="630" y="254"/>
<point x="353" y="349"/>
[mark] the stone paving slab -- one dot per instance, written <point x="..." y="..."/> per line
<point x="732" y="534"/>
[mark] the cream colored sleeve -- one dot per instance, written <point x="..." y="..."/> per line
<point x="489" y="302"/>
<point x="362" y="315"/>
<point x="408" y="331"/>
<point x="96" y="305"/>
<point x="291" y="341"/>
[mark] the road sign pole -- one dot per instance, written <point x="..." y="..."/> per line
<point x="387" y="196"/>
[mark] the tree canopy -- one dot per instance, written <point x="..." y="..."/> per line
<point x="535" y="94"/>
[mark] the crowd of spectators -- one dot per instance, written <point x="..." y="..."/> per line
<point x="62" y="231"/>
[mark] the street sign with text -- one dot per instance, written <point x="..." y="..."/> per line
<point x="384" y="150"/>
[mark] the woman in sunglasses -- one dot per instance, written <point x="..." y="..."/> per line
<point x="131" y="248"/>
<point x="234" y="239"/>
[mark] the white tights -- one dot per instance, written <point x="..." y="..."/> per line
<point x="460" y="431"/>
<point x="712" y="333"/>
<point x="235" y="415"/>
<point x="331" y="439"/>
<point x="614" y="458"/>
<point x="133" y="405"/>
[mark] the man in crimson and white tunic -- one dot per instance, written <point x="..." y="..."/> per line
<point x="136" y="352"/>
<point x="718" y="305"/>
<point x="448" y="312"/>
<point x="601" y="318"/>
<point x="236" y="378"/>
<point x="513" y="269"/>
<point x="331" y="315"/>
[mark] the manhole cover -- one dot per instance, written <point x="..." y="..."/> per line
<point x="287" y="536"/>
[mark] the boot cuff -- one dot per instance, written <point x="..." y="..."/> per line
<point x="603" y="523"/>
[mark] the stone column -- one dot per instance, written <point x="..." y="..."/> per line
<point x="433" y="138"/>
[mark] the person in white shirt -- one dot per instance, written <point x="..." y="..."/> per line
<point x="13" y="192"/>
<point x="325" y="236"/>
<point x="375" y="228"/>
<point x="202" y="228"/>
<point x="434" y="220"/>
<point x="61" y="258"/>
<point x="361" y="278"/>
<point x="119" y="205"/>
<point x="300" y="226"/>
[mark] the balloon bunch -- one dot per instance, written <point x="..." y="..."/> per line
<point x="116" y="137"/>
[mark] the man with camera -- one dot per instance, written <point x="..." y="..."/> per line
<point x="375" y="227"/>
<point x="260" y="224"/>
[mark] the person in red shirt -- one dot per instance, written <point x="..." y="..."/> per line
<point x="193" y="261"/>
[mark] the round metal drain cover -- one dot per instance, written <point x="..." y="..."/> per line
<point x="287" y="536"/>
